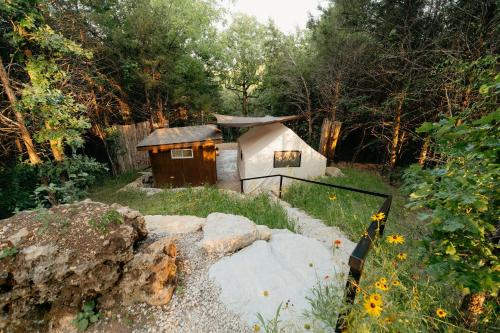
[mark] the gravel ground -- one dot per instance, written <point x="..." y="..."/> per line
<point x="195" y="306"/>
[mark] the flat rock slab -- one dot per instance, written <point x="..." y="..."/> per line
<point x="225" y="233"/>
<point x="173" y="224"/>
<point x="264" y="275"/>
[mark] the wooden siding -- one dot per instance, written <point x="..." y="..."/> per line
<point x="199" y="170"/>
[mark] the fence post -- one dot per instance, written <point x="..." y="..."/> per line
<point x="281" y="185"/>
<point x="351" y="286"/>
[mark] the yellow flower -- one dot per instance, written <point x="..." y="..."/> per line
<point x="396" y="283"/>
<point x="265" y="293"/>
<point x="256" y="328"/>
<point x="402" y="256"/>
<point x="441" y="313"/>
<point x="333" y="197"/>
<point x="376" y="298"/>
<point x="378" y="217"/>
<point x="396" y="239"/>
<point x="383" y="280"/>
<point x="372" y="308"/>
<point x="381" y="286"/>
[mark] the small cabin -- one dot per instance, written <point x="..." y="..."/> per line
<point x="182" y="156"/>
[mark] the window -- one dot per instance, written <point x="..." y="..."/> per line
<point x="178" y="154"/>
<point x="287" y="159"/>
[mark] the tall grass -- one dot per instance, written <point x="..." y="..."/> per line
<point x="411" y="305"/>
<point x="192" y="201"/>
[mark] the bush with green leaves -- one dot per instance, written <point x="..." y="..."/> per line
<point x="461" y="195"/>
<point x="17" y="183"/>
<point x="87" y="316"/>
<point x="68" y="180"/>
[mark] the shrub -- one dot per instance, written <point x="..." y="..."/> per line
<point x="17" y="183"/>
<point x="67" y="181"/>
<point x="462" y="195"/>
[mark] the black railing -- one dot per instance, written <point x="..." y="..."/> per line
<point x="358" y="256"/>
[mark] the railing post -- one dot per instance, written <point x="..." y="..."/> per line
<point x="281" y="185"/>
<point x="351" y="287"/>
<point x="241" y="185"/>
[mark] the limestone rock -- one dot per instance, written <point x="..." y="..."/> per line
<point x="18" y="236"/>
<point x="264" y="275"/>
<point x="334" y="172"/>
<point x="225" y="233"/>
<point x="263" y="232"/>
<point x="150" y="276"/>
<point x="173" y="224"/>
<point x="64" y="256"/>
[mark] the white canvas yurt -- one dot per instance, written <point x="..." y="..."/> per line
<point x="275" y="149"/>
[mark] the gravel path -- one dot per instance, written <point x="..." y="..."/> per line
<point x="195" y="306"/>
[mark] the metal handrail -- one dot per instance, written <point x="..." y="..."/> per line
<point x="358" y="256"/>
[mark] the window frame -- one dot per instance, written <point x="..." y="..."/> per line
<point x="288" y="166"/>
<point x="183" y="156"/>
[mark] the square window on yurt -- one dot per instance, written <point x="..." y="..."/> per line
<point x="181" y="153"/>
<point x="287" y="159"/>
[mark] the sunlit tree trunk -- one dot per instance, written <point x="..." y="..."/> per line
<point x="23" y="131"/>
<point x="396" y="130"/>
<point x="56" y="146"/>
<point x="424" y="151"/>
<point x="337" y="125"/>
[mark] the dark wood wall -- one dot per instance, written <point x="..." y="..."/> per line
<point x="199" y="170"/>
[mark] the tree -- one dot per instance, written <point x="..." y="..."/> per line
<point x="241" y="65"/>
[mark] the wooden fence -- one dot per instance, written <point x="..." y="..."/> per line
<point x="127" y="157"/>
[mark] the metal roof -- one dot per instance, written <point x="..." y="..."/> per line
<point x="233" y="121"/>
<point x="176" y="135"/>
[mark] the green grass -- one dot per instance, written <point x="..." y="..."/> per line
<point x="350" y="211"/>
<point x="409" y="307"/>
<point x="197" y="202"/>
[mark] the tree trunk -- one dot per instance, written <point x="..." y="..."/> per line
<point x="162" y="121"/>
<point x="56" y="146"/>
<point x="395" y="134"/>
<point x="25" y="135"/>
<point x="245" y="101"/>
<point x="325" y="135"/>
<point x="334" y="139"/>
<point x="424" y="151"/>
<point x="473" y="305"/>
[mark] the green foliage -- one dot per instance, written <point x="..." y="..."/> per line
<point x="462" y="194"/>
<point x="17" y="183"/>
<point x="87" y="316"/>
<point x="68" y="180"/>
<point x="272" y="325"/>
<point x="326" y="303"/>
<point x="109" y="218"/>
<point x="8" y="252"/>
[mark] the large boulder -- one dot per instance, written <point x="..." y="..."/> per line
<point x="52" y="261"/>
<point x="173" y="224"/>
<point x="260" y="277"/>
<point x="334" y="172"/>
<point x="225" y="233"/>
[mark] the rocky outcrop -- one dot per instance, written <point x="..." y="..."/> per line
<point x="334" y="172"/>
<point x="226" y="233"/>
<point x="51" y="261"/>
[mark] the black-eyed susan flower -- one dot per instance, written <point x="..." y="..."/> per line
<point x="441" y="313"/>
<point x="372" y="308"/>
<point x="383" y="280"/>
<point x="332" y="197"/>
<point x="381" y="286"/>
<point x="395" y="239"/>
<point x="378" y="217"/>
<point x="402" y="256"/>
<point x="256" y="328"/>
<point x="376" y="298"/>
<point x="396" y="283"/>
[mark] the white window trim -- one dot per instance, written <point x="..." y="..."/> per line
<point x="183" y="156"/>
